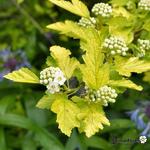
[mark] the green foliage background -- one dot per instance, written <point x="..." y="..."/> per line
<point x="22" y="125"/>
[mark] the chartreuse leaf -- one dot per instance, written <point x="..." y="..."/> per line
<point x="125" y="83"/>
<point x="95" y="73"/>
<point x="66" y="112"/>
<point x="121" y="27"/>
<point x="70" y="29"/>
<point x="62" y="56"/>
<point x="119" y="3"/>
<point x="95" y="77"/>
<point x="46" y="101"/>
<point x="92" y="118"/>
<point x="75" y="6"/>
<point x="23" y="75"/>
<point x="125" y="66"/>
<point x="93" y="68"/>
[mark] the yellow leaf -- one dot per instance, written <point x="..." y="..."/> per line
<point x="66" y="112"/>
<point x="62" y="56"/>
<point x="76" y="7"/>
<point x="92" y="118"/>
<point x="23" y="75"/>
<point x="125" y="83"/>
<point x="125" y="66"/>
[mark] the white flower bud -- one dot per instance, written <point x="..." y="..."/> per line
<point x="102" y="9"/>
<point x="87" y="22"/>
<point x="144" y="5"/>
<point x="115" y="45"/>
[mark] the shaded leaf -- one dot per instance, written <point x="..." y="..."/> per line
<point x="46" y="101"/>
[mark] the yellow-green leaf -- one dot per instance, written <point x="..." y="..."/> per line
<point x="62" y="56"/>
<point x="46" y="101"/>
<point x="76" y="7"/>
<point x="70" y="29"/>
<point x="125" y="66"/>
<point x="125" y="83"/>
<point x="66" y="112"/>
<point x="23" y="75"/>
<point x="147" y="76"/>
<point x="92" y="118"/>
<point x="95" y="77"/>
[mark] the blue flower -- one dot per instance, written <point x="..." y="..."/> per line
<point x="10" y="61"/>
<point x="146" y="131"/>
<point x="139" y="116"/>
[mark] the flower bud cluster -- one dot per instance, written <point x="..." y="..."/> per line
<point x="102" y="9"/>
<point x="144" y="5"/>
<point x="116" y="45"/>
<point x="53" y="78"/>
<point x="87" y="22"/>
<point x="105" y="95"/>
<point x="144" y="44"/>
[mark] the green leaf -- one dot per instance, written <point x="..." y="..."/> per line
<point x="76" y="7"/>
<point x="125" y="83"/>
<point x="146" y="25"/>
<point x="50" y="61"/>
<point x="47" y="140"/>
<point x="98" y="143"/>
<point x="46" y="101"/>
<point x="66" y="112"/>
<point x="147" y="77"/>
<point x="91" y="118"/>
<point x="125" y="66"/>
<point x="2" y="139"/>
<point x="62" y="56"/>
<point x="117" y="124"/>
<point x="23" y="75"/>
<point x="119" y="3"/>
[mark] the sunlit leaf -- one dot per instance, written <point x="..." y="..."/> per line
<point x="62" y="56"/>
<point x="75" y="6"/>
<point x="125" y="66"/>
<point x="66" y="112"/>
<point x="23" y="75"/>
<point x="125" y="83"/>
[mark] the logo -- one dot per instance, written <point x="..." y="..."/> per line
<point x="143" y="139"/>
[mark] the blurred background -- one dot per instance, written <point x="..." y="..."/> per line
<point x="25" y="42"/>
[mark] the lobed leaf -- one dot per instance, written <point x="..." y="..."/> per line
<point x="125" y="83"/>
<point x="125" y="66"/>
<point x="75" y="6"/>
<point x="91" y="118"/>
<point x="23" y="75"/>
<point x="66" y="112"/>
<point x="62" y="56"/>
<point x="46" y="101"/>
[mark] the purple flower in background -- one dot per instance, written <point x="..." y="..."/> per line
<point x="12" y="60"/>
<point x="141" y="117"/>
